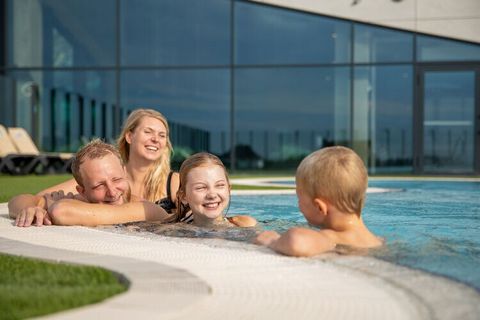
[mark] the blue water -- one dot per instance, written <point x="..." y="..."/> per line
<point x="433" y="226"/>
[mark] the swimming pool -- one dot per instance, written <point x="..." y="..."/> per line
<point x="429" y="225"/>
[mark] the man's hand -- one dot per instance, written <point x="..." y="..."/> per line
<point x="266" y="238"/>
<point x="51" y="198"/>
<point x="33" y="215"/>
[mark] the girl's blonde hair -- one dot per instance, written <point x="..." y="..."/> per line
<point x="156" y="178"/>
<point x="336" y="174"/>
<point x="194" y="161"/>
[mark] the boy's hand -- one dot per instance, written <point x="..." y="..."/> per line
<point x="266" y="238"/>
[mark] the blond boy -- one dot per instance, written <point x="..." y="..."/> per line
<point x="331" y="186"/>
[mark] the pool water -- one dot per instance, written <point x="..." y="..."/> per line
<point x="429" y="225"/>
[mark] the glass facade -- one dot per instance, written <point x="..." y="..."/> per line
<point x="258" y="85"/>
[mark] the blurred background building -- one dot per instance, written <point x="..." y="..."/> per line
<point x="259" y="83"/>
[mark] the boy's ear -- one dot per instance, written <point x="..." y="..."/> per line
<point x="321" y="205"/>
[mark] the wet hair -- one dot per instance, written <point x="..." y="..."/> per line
<point x="156" y="177"/>
<point x="194" y="161"/>
<point x="337" y="175"/>
<point x="95" y="149"/>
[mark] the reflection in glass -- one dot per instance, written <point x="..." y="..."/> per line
<point x="375" y="44"/>
<point x="382" y="128"/>
<point x="195" y="102"/>
<point x="266" y="35"/>
<point x="67" y="33"/>
<point x="55" y="107"/>
<point x="448" y="126"/>
<point x="436" y="49"/>
<point x="175" y="32"/>
<point x="283" y="114"/>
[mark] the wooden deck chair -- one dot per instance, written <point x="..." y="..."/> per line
<point x="52" y="162"/>
<point x="13" y="162"/>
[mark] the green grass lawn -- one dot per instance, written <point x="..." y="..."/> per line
<point x="30" y="288"/>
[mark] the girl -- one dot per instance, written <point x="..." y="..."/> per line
<point x="145" y="147"/>
<point x="204" y="193"/>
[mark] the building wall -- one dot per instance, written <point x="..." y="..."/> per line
<point x="456" y="19"/>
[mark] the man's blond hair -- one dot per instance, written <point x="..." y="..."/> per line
<point x="95" y="149"/>
<point x="337" y="175"/>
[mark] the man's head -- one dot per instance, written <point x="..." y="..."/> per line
<point x="100" y="173"/>
<point x="336" y="175"/>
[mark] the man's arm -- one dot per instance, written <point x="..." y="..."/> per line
<point x="27" y="209"/>
<point x="297" y="242"/>
<point x="74" y="212"/>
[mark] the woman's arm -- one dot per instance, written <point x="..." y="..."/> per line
<point x="67" y="186"/>
<point x="74" y="212"/>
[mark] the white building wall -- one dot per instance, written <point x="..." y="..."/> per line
<point x="457" y="19"/>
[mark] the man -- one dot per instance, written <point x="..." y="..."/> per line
<point x="101" y="178"/>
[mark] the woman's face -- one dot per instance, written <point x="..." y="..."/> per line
<point x="207" y="192"/>
<point x="148" y="139"/>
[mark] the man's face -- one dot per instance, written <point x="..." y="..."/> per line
<point x="104" y="180"/>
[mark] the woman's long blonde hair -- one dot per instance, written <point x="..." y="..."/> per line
<point x="156" y="178"/>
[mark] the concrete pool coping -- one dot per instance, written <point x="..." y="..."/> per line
<point x="177" y="278"/>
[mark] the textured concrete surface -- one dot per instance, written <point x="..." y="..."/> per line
<point x="177" y="278"/>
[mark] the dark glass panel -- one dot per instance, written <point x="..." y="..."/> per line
<point x="55" y="106"/>
<point x="67" y="33"/>
<point x="436" y="49"/>
<point x="281" y="115"/>
<point x="448" y="121"/>
<point x="374" y="44"/>
<point x="175" y="32"/>
<point x="195" y="102"/>
<point x="266" y="35"/>
<point x="382" y="119"/>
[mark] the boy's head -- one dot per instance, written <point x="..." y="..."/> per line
<point x="336" y="175"/>
<point x="100" y="174"/>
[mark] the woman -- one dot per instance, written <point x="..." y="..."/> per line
<point x="145" y="147"/>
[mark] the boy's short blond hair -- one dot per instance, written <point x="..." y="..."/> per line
<point x="95" y="149"/>
<point x="337" y="175"/>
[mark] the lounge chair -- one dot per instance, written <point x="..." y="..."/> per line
<point x="12" y="161"/>
<point x="52" y="162"/>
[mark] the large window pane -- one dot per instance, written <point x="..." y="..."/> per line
<point x="195" y="102"/>
<point x="67" y="33"/>
<point x="383" y="112"/>
<point x="448" y="121"/>
<point x="266" y="35"/>
<point x="373" y="44"/>
<point x="175" y="32"/>
<point x="281" y="115"/>
<point x="62" y="109"/>
<point x="436" y="49"/>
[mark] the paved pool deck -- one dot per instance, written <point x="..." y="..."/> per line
<point x="181" y="278"/>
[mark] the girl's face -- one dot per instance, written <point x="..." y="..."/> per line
<point x="207" y="191"/>
<point x="149" y="139"/>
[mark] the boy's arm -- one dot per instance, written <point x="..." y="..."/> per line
<point x="74" y="212"/>
<point x="297" y="242"/>
<point x="243" y="221"/>
<point x="27" y="209"/>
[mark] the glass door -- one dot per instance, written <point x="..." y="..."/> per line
<point x="446" y="121"/>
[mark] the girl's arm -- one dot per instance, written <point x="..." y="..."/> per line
<point x="74" y="212"/>
<point x="243" y="221"/>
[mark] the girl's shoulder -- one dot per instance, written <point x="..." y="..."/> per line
<point x="243" y="221"/>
